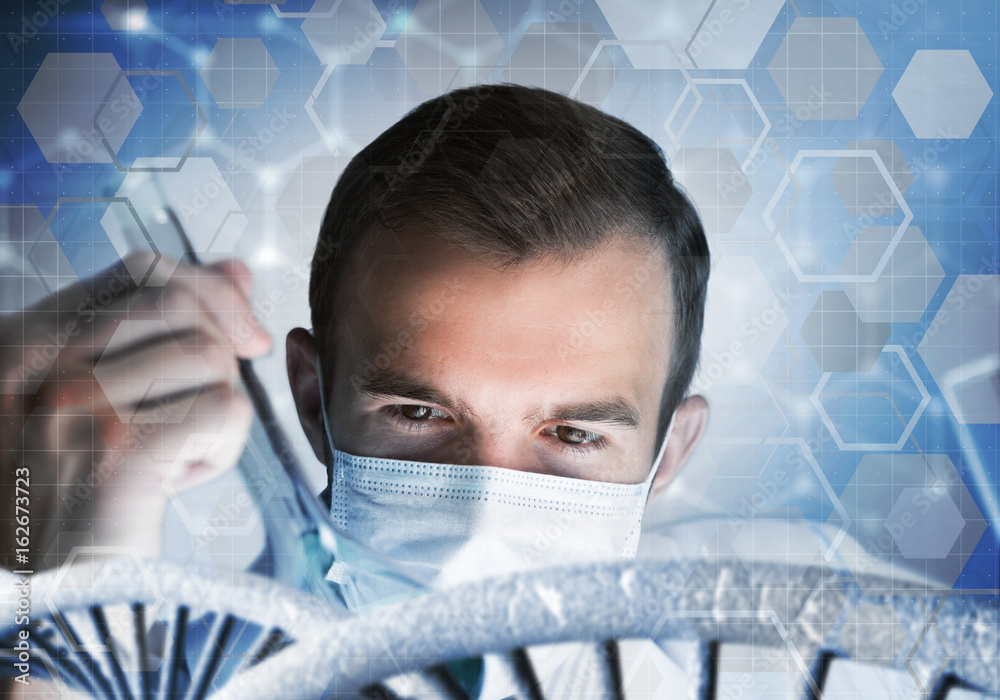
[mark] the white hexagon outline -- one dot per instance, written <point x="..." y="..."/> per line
<point x="834" y="153"/>
<point x="689" y="82"/>
<point x="925" y="399"/>
<point x="50" y="591"/>
<point x="92" y="200"/>
<point x="202" y="123"/>
<point x="688" y="87"/>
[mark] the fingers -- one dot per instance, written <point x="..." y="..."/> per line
<point x="194" y="438"/>
<point x="186" y="296"/>
<point x="164" y="365"/>
<point x="222" y="293"/>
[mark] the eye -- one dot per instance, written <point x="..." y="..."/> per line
<point x="577" y="437"/>
<point x="416" y="412"/>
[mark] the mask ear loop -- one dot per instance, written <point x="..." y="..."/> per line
<point x="322" y="408"/>
<point x="659" y="457"/>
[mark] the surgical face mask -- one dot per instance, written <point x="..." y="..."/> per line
<point x="450" y="523"/>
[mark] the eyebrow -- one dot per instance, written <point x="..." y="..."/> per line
<point x="388" y="382"/>
<point x="616" y="411"/>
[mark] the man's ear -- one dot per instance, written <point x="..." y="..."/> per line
<point x="690" y="419"/>
<point x="303" y="377"/>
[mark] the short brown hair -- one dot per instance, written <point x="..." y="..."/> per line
<point x="517" y="173"/>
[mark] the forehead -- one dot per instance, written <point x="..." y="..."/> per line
<point x="608" y="308"/>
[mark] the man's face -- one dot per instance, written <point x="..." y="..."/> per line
<point x="548" y="367"/>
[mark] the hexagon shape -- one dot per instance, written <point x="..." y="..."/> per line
<point x="925" y="522"/>
<point x="199" y="196"/>
<point x="838" y="338"/>
<point x="876" y="488"/>
<point x="875" y="418"/>
<point x="125" y="14"/>
<point x="744" y="322"/>
<point x="961" y="348"/>
<point x="942" y="94"/>
<point x="654" y="34"/>
<point x="825" y="68"/>
<point x="873" y="634"/>
<point x="553" y="56"/>
<point x="860" y="184"/>
<point x="731" y="32"/>
<point x="239" y="73"/>
<point x="715" y="183"/>
<point x="345" y="35"/>
<point x="798" y="225"/>
<point x="448" y="44"/>
<point x="907" y="283"/>
<point x="85" y="81"/>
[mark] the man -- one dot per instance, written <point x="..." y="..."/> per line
<point x="505" y="277"/>
<point x="505" y="280"/>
